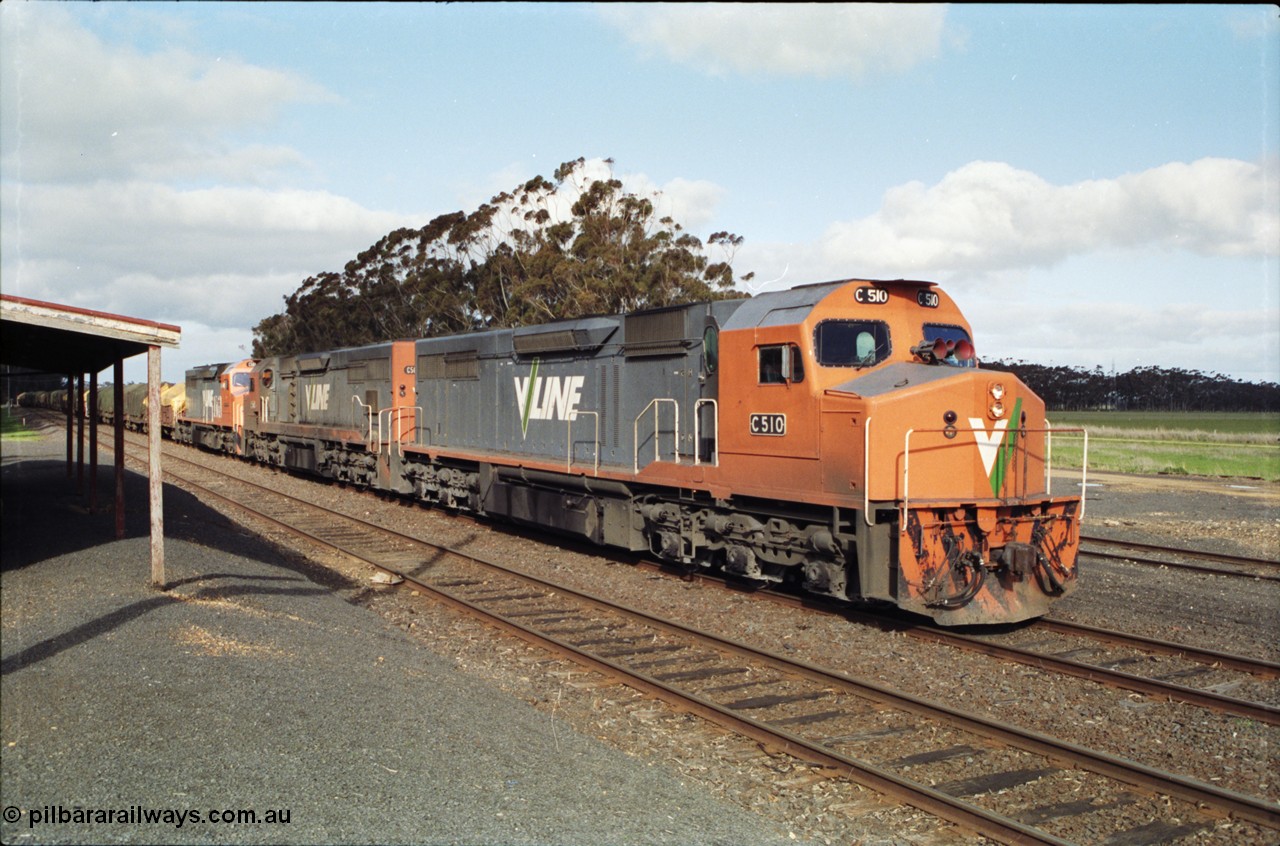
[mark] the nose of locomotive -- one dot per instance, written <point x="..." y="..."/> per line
<point x="962" y="456"/>
<point x="955" y="434"/>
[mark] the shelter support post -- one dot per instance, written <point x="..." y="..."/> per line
<point x="75" y="396"/>
<point x="117" y="424"/>
<point x="156" y="473"/>
<point x="71" y="429"/>
<point x="93" y="443"/>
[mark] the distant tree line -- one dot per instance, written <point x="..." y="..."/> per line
<point x="517" y="260"/>
<point x="1141" y="389"/>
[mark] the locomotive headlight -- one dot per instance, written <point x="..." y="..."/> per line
<point x="997" y="391"/>
<point x="997" y="409"/>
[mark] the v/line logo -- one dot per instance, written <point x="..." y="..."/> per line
<point x="318" y="396"/>
<point x="212" y="401"/>
<point x="546" y="397"/>
<point x="995" y="458"/>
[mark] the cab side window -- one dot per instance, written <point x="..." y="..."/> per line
<point x="710" y="349"/>
<point x="780" y="364"/>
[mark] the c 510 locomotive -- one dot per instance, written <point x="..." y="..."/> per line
<point x="839" y="436"/>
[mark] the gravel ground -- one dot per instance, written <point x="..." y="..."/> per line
<point x="1230" y="614"/>
<point x="260" y="681"/>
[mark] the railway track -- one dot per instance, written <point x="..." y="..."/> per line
<point x="1005" y="783"/>
<point x="1153" y="667"/>
<point x="1098" y="655"/>
<point x="1184" y="559"/>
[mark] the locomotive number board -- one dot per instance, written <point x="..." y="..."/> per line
<point x="768" y="424"/>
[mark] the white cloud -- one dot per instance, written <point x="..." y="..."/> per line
<point x="141" y="237"/>
<point x="75" y="107"/>
<point x="795" y="39"/>
<point x="1244" y="343"/>
<point x="101" y="147"/>
<point x="200" y="345"/>
<point x="692" y="203"/>
<point x="990" y="216"/>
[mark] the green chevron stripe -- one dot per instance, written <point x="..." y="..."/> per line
<point x="528" y="398"/>
<point x="1005" y="456"/>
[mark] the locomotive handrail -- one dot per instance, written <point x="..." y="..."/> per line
<point x="1084" y="461"/>
<point x="906" y="463"/>
<point x="398" y="412"/>
<point x="568" y="430"/>
<point x="866" y="471"/>
<point x="635" y="432"/>
<point x="715" y="433"/>
<point x="370" y="444"/>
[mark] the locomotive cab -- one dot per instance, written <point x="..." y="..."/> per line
<point x="869" y="394"/>
<point x="215" y="400"/>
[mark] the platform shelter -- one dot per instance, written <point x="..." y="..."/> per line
<point x="50" y="338"/>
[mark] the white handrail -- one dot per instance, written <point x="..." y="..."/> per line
<point x="635" y="432"/>
<point x="866" y="472"/>
<point x="906" y="463"/>
<point x="568" y="433"/>
<point x="1084" y="461"/>
<point x="371" y="443"/>
<point x="398" y="412"/>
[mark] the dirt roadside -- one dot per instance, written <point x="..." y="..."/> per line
<point x="1236" y="516"/>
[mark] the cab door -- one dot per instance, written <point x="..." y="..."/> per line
<point x="767" y="403"/>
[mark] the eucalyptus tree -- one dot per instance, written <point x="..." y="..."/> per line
<point x="566" y="247"/>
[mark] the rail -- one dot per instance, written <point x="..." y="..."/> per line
<point x="615" y="652"/>
<point x="568" y="429"/>
<point x="655" y="404"/>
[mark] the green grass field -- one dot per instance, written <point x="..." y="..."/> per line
<point x="11" y="426"/>
<point x="1174" y="443"/>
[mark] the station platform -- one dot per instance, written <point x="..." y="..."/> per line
<point x="251" y="702"/>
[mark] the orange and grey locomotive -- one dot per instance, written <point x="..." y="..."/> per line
<point x="837" y="436"/>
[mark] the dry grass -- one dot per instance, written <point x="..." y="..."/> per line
<point x="209" y="643"/>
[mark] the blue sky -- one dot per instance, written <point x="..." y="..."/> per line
<point x="1095" y="185"/>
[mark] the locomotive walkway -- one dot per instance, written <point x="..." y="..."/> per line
<point x="256" y="685"/>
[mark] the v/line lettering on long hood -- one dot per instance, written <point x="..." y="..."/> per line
<point x="546" y="397"/>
